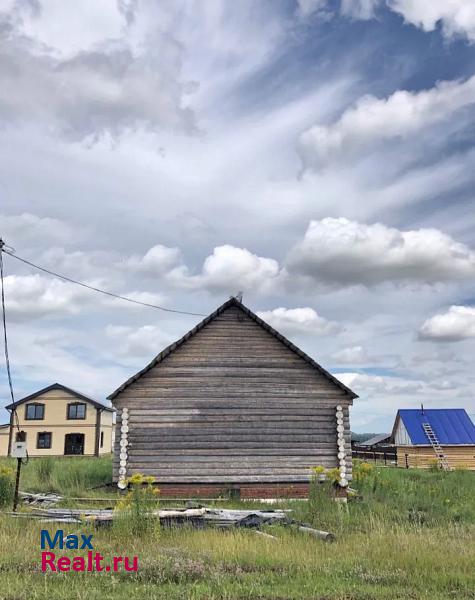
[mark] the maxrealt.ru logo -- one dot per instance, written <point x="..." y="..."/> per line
<point x="90" y="562"/>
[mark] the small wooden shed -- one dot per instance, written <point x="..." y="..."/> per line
<point x="425" y="437"/>
<point x="232" y="404"/>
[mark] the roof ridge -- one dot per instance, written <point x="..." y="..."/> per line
<point x="232" y="301"/>
<point x="55" y="386"/>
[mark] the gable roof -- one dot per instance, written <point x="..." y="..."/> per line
<point x="59" y="386"/>
<point x="452" y="426"/>
<point x="229" y="303"/>
<point x="377" y="439"/>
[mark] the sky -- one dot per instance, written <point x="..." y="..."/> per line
<point x="317" y="155"/>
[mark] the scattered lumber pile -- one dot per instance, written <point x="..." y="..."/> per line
<point x="39" y="499"/>
<point x="199" y="518"/>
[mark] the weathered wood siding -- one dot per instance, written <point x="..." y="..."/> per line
<point x="232" y="404"/>
<point x="424" y="457"/>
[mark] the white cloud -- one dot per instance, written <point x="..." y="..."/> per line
<point x="41" y="356"/>
<point x="147" y="340"/>
<point x="368" y="385"/>
<point x="458" y="323"/>
<point x="373" y="120"/>
<point x="229" y="270"/>
<point x="355" y="9"/>
<point x="78" y="264"/>
<point x="359" y="9"/>
<point x="145" y="297"/>
<point x="36" y="296"/>
<point x="341" y="252"/>
<point x="54" y="25"/>
<point x="354" y="355"/>
<point x="32" y="296"/>
<point x="156" y="261"/>
<point x="32" y="230"/>
<point x="457" y="17"/>
<point x="305" y="8"/>
<point x="106" y="89"/>
<point x="298" y="321"/>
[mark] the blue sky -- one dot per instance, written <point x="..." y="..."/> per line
<point x="317" y="155"/>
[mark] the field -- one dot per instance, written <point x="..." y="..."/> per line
<point x="410" y="536"/>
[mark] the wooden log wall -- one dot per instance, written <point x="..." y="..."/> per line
<point x="232" y="404"/>
<point x="424" y="457"/>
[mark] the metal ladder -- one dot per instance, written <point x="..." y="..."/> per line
<point x="433" y="439"/>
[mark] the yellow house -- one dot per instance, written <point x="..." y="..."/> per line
<point x="4" y="437"/>
<point x="58" y="421"/>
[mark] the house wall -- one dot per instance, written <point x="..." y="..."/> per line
<point x="4" y="433"/>
<point x="56" y="421"/>
<point x="423" y="457"/>
<point x="401" y="436"/>
<point x="232" y="404"/>
<point x="107" y="429"/>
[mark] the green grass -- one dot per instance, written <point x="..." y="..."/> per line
<point x="72" y="476"/>
<point x="411" y="536"/>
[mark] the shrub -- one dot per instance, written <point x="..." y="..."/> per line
<point x="333" y="475"/>
<point x="7" y="485"/>
<point x="134" y="511"/>
<point x="361" y="471"/>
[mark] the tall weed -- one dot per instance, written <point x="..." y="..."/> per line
<point x="134" y="513"/>
<point x="45" y="468"/>
<point x="7" y="485"/>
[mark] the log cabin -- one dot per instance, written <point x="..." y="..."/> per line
<point x="232" y="407"/>
<point x="429" y="437"/>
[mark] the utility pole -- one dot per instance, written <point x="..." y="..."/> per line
<point x="19" y="452"/>
<point x="18" y="448"/>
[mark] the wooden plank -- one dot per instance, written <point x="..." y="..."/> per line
<point x="224" y="444"/>
<point x="144" y="450"/>
<point x="234" y="478"/>
<point x="200" y="463"/>
<point x="265" y="404"/>
<point x="162" y="470"/>
<point x="230" y="395"/>
<point x="289" y="413"/>
<point x="152" y="434"/>
<point x="234" y="424"/>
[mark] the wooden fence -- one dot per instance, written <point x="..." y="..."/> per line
<point x="386" y="457"/>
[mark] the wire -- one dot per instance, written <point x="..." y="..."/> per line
<point x="5" y="339"/>
<point x="95" y="289"/>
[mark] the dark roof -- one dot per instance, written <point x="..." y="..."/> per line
<point x="59" y="386"/>
<point x="450" y="425"/>
<point x="232" y="302"/>
<point x="377" y="439"/>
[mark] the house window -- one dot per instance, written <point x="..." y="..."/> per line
<point x="44" y="439"/>
<point x="102" y="439"/>
<point x="35" y="412"/>
<point x="77" y="410"/>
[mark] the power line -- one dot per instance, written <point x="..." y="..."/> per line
<point x="95" y="289"/>
<point x="5" y="337"/>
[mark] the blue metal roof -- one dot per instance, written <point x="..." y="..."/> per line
<point x="451" y="425"/>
